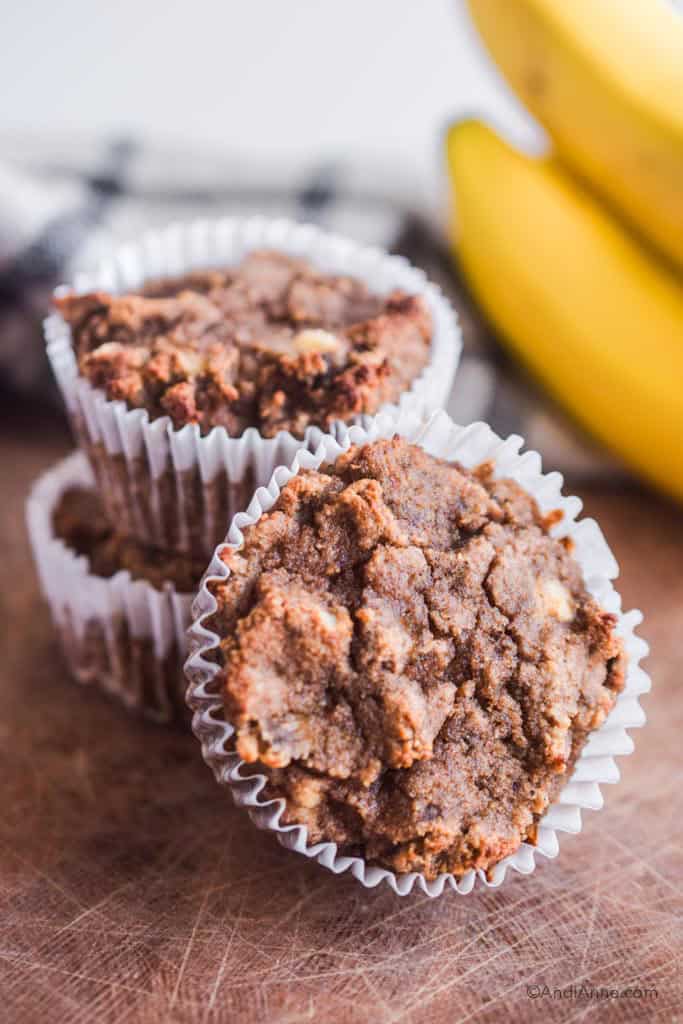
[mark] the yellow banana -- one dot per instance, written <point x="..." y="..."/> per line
<point x="593" y="317"/>
<point x="605" y="78"/>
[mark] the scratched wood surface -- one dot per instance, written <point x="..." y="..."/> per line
<point x="131" y="890"/>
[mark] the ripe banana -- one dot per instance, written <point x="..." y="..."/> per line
<point x="587" y="310"/>
<point x="605" y="78"/>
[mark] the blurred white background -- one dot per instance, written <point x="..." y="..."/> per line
<point x="271" y="80"/>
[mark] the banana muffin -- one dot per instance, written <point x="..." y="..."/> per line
<point x="411" y="658"/>
<point x="79" y="521"/>
<point x="107" y="641"/>
<point x="272" y="343"/>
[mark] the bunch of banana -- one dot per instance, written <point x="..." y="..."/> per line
<point x="588" y="307"/>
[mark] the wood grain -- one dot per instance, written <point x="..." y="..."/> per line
<point x="131" y="890"/>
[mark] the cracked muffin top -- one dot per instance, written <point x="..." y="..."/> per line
<point x="79" y="521"/>
<point x="272" y="344"/>
<point x="412" y="658"/>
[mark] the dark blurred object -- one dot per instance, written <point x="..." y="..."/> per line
<point x="59" y="210"/>
<point x="42" y="230"/>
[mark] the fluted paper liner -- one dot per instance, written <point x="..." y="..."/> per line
<point x="175" y="488"/>
<point x="121" y="635"/>
<point x="469" y="446"/>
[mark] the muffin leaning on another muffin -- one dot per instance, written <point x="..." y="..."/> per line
<point x="408" y="652"/>
<point x="413" y="657"/>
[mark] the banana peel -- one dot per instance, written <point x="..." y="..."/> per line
<point x="574" y="296"/>
<point x="605" y="79"/>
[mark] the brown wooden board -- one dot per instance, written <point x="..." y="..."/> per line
<point x="132" y="890"/>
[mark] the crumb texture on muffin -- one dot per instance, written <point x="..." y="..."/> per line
<point x="272" y="344"/>
<point x="78" y="519"/>
<point x="412" y="658"/>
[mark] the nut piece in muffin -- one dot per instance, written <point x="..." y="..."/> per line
<point x="272" y="344"/>
<point x="79" y="521"/>
<point x="412" y="658"/>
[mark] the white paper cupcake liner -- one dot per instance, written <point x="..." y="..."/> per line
<point x="469" y="446"/>
<point x="121" y="635"/>
<point x="175" y="488"/>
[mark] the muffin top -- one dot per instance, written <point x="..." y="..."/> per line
<point x="272" y="344"/>
<point x="412" y="658"/>
<point x="79" y="521"/>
